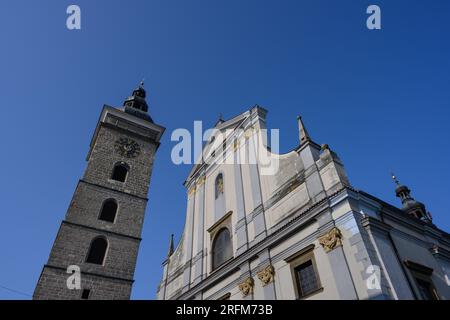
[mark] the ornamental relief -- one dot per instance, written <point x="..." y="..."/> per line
<point x="249" y="132"/>
<point x="219" y="184"/>
<point x="191" y="191"/>
<point x="246" y="287"/>
<point x="201" y="181"/>
<point x="331" y="240"/>
<point x="266" y="275"/>
<point x="235" y="144"/>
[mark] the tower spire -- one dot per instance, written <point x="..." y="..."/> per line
<point x="170" y="246"/>
<point x="412" y="207"/>
<point x="303" y="133"/>
<point x="401" y="191"/>
<point x="136" y="103"/>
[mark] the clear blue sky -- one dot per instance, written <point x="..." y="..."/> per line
<point x="380" y="99"/>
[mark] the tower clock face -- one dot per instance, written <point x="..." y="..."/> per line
<point x="127" y="147"/>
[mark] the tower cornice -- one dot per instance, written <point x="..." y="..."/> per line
<point x="120" y="120"/>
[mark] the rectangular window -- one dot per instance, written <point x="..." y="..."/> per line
<point x="85" y="294"/>
<point x="306" y="278"/>
<point x="426" y="290"/>
<point x="304" y="272"/>
<point x="422" y="278"/>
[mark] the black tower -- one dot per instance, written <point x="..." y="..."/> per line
<point x="101" y="231"/>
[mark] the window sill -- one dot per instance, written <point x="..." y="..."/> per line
<point x="221" y="266"/>
<point x="311" y="294"/>
<point x="120" y="183"/>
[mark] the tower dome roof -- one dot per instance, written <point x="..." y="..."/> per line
<point x="136" y="103"/>
<point x="410" y="205"/>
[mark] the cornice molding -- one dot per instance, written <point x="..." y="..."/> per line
<point x="90" y="273"/>
<point x="375" y="224"/>
<point x="418" y="267"/>
<point x="101" y="230"/>
<point x="440" y="252"/>
<point x="220" y="222"/>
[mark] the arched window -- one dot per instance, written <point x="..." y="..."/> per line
<point x="219" y="185"/>
<point x="222" y="249"/>
<point x="120" y="172"/>
<point x="97" y="251"/>
<point x="109" y="210"/>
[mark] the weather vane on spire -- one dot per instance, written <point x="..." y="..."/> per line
<point x="142" y="83"/>
<point x="394" y="177"/>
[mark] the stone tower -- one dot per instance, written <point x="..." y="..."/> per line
<point x="101" y="231"/>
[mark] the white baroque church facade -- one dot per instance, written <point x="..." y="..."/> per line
<point x="302" y="232"/>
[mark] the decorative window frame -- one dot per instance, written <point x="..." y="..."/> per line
<point x="224" y="222"/>
<point x="421" y="272"/>
<point x="296" y="260"/>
